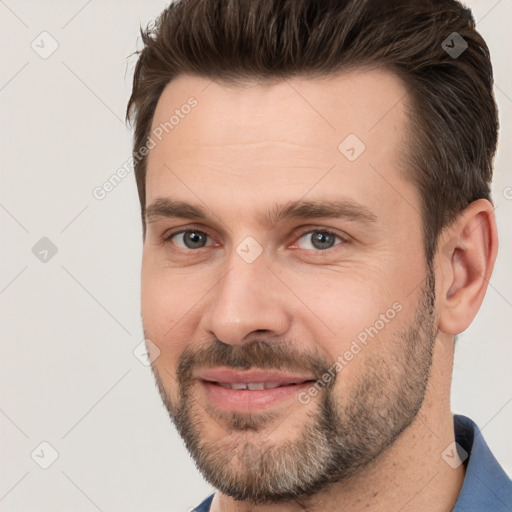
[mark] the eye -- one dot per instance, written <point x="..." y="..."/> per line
<point x="190" y="239"/>
<point x="319" y="240"/>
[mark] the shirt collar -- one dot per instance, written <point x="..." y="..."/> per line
<point x="486" y="486"/>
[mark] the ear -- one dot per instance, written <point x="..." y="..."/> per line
<point x="465" y="260"/>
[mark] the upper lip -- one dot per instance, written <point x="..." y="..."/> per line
<point x="227" y="376"/>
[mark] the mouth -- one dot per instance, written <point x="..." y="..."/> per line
<point x="252" y="390"/>
<point x="256" y="386"/>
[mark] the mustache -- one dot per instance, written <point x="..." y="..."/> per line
<point x="259" y="354"/>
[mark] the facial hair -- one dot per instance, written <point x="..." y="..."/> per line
<point x="336" y="439"/>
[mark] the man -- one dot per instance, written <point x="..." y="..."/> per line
<point x="314" y="178"/>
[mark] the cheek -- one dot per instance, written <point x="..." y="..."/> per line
<point x="167" y="303"/>
<point x="345" y="304"/>
<point x="355" y="316"/>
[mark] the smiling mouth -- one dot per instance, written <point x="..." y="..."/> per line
<point x="256" y="386"/>
<point x="250" y="391"/>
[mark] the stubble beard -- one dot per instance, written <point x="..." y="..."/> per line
<point x="335" y="441"/>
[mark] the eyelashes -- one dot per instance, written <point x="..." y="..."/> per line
<point x="325" y="239"/>
<point x="317" y="239"/>
<point x="196" y="240"/>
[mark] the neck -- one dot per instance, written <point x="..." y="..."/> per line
<point x="410" y="476"/>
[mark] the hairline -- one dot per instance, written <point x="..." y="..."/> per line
<point x="410" y="139"/>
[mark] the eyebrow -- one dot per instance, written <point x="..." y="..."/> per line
<point x="342" y="208"/>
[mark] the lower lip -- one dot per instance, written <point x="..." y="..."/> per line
<point x="248" y="400"/>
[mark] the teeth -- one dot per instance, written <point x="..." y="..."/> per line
<point x="271" y="385"/>
<point x="256" y="385"/>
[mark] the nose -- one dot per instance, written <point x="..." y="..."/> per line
<point x="249" y="300"/>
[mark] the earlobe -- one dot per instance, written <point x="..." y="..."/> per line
<point x="466" y="257"/>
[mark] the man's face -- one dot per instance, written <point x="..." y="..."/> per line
<point x="269" y="288"/>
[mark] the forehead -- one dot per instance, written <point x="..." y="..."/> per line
<point x="282" y="140"/>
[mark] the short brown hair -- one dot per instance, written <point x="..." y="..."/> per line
<point x="453" y="114"/>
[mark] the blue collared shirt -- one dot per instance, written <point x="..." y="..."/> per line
<point x="486" y="487"/>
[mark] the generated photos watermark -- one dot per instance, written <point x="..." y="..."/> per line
<point x="356" y="346"/>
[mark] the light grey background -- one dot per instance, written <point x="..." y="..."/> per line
<point x="69" y="325"/>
